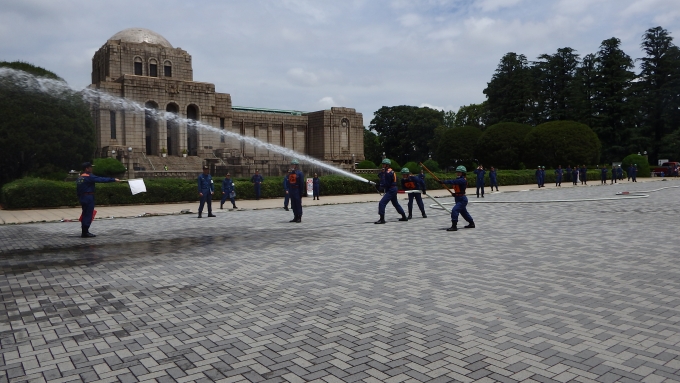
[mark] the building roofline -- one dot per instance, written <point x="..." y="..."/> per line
<point x="265" y="110"/>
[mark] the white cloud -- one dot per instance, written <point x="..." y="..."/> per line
<point x="326" y="102"/>
<point x="423" y="105"/>
<point x="302" y="77"/>
<point x="494" y="5"/>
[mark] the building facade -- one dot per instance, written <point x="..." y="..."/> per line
<point x="141" y="66"/>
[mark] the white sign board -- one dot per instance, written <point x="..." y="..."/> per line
<point x="662" y="161"/>
<point x="137" y="186"/>
<point x="310" y="186"/>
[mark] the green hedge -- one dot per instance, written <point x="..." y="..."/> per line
<point x="40" y="193"/>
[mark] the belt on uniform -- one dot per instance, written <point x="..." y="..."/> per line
<point x="87" y="193"/>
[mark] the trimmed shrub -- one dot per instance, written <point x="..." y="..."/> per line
<point x="366" y="164"/>
<point x="502" y="145"/>
<point x="561" y="142"/>
<point x="432" y="165"/>
<point x="108" y="167"/>
<point x="643" y="168"/>
<point x="413" y="167"/>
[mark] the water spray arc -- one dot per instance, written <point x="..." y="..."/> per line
<point x="108" y="101"/>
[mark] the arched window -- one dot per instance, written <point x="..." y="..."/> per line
<point x="153" y="68"/>
<point x="192" y="131"/>
<point x="167" y="69"/>
<point x="172" y="126"/>
<point x="138" y="66"/>
<point x="151" y="128"/>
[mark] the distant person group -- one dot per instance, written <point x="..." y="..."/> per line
<point x="294" y="187"/>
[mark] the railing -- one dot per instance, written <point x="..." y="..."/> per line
<point x="151" y="163"/>
<point x="367" y="171"/>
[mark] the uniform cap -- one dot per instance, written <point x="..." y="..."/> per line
<point x="205" y="167"/>
<point x="405" y="171"/>
<point x="295" y="162"/>
<point x="386" y="161"/>
<point x="86" y="165"/>
<point x="462" y="169"/>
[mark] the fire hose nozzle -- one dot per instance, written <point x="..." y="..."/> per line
<point x="371" y="183"/>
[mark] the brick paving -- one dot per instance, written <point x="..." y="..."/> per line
<point x="567" y="292"/>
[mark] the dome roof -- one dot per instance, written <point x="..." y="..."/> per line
<point x="141" y="35"/>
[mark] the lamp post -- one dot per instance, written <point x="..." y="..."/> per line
<point x="129" y="156"/>
<point x="353" y="163"/>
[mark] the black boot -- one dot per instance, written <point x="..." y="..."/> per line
<point x="403" y="218"/>
<point x="200" y="214"/>
<point x="285" y="208"/>
<point x="294" y="219"/>
<point x="221" y="206"/>
<point x="299" y="219"/>
<point x="410" y="216"/>
<point x="470" y="225"/>
<point x="424" y="215"/>
<point x="234" y="207"/>
<point x="454" y="226"/>
<point x="86" y="233"/>
<point x="381" y="220"/>
<point x="210" y="214"/>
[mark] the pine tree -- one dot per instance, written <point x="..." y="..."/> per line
<point x="510" y="91"/>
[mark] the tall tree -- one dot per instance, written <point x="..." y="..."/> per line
<point x="583" y="91"/>
<point x="510" y="92"/>
<point x="40" y="132"/>
<point x="372" y="148"/>
<point x="476" y="115"/>
<point x="613" y="102"/>
<point x="659" y="88"/>
<point x="555" y="80"/>
<point x="406" y="133"/>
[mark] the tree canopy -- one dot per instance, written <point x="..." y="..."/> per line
<point x="502" y="145"/>
<point x="406" y="132"/>
<point x="39" y="130"/>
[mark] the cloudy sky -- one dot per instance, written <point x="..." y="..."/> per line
<point x="313" y="54"/>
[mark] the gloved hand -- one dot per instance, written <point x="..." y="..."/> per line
<point x="424" y="192"/>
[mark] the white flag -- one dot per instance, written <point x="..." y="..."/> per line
<point x="137" y="186"/>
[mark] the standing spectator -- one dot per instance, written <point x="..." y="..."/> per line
<point x="257" y="179"/>
<point x="85" y="191"/>
<point x="619" y="172"/>
<point x="286" y="197"/>
<point x="422" y="178"/>
<point x="296" y="186"/>
<point x="558" y="176"/>
<point x="492" y="178"/>
<point x="315" y="187"/>
<point x="634" y="173"/>
<point x="630" y="172"/>
<point x="574" y="175"/>
<point x="537" y="173"/>
<point x="583" y="175"/>
<point x="228" y="191"/>
<point x="480" y="172"/>
<point x="206" y="189"/>
<point x="603" y="175"/>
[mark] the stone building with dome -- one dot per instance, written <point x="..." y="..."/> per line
<point x="142" y="66"/>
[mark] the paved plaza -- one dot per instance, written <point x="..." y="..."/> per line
<point x="583" y="291"/>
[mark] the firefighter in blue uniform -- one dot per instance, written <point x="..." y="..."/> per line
<point x="459" y="186"/>
<point x="603" y="175"/>
<point x="85" y="191"/>
<point x="206" y="189"/>
<point x="493" y="180"/>
<point x="537" y="173"/>
<point x="389" y="184"/>
<point x="257" y="179"/>
<point x="411" y="182"/>
<point x="286" y="197"/>
<point x="316" y="185"/>
<point x="558" y="176"/>
<point x="619" y="172"/>
<point x="479" y="183"/>
<point x="633" y="173"/>
<point x="583" y="175"/>
<point x="296" y="186"/>
<point x="615" y="173"/>
<point x="228" y="191"/>
<point x="422" y="178"/>
<point x="574" y="175"/>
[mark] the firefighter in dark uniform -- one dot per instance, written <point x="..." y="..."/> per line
<point x="296" y="186"/>
<point x="389" y="183"/>
<point x="257" y="179"/>
<point x="206" y="189"/>
<point x="316" y="186"/>
<point x="411" y="182"/>
<point x="85" y="190"/>
<point x="228" y="191"/>
<point x="459" y="186"/>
